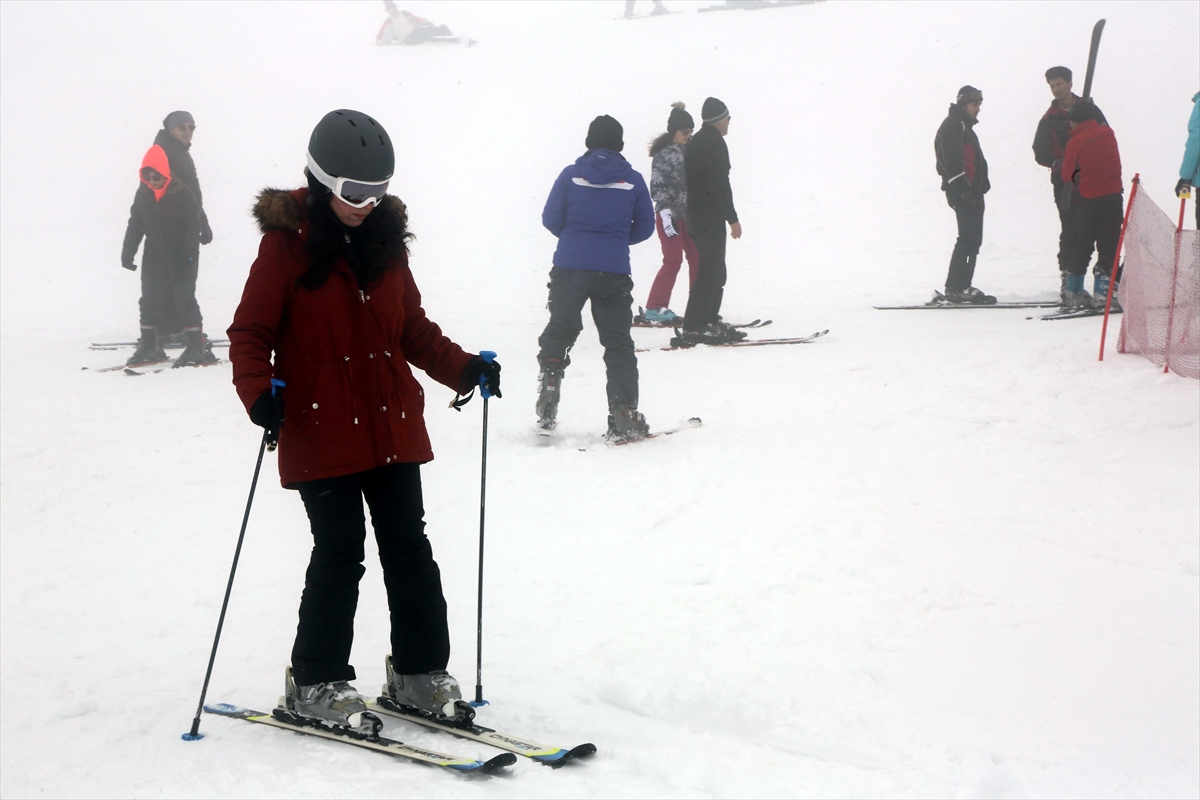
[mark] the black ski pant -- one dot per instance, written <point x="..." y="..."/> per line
<point x="1062" y="201"/>
<point x="169" y="295"/>
<point x="1096" y="222"/>
<point x="420" y="637"/>
<point x="969" y="212"/>
<point x="611" y="294"/>
<point x="705" y="295"/>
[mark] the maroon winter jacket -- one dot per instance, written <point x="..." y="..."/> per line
<point x="351" y="402"/>
<point x="1092" y="152"/>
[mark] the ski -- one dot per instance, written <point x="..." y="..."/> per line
<point x="694" y="422"/>
<point x="171" y="346"/>
<point x="1093" y="51"/>
<point x="521" y="746"/>
<point x="650" y="14"/>
<point x="1077" y="314"/>
<point x="378" y="744"/>
<point x="678" y="344"/>
<point x="939" y="301"/>
<point x="640" y="321"/>
<point x="135" y="367"/>
<point x="756" y="5"/>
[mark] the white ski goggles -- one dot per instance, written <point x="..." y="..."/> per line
<point x="357" y="194"/>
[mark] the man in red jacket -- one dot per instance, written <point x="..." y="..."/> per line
<point x="1092" y="163"/>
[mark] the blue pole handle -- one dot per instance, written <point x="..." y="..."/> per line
<point x="484" y="391"/>
<point x="276" y="384"/>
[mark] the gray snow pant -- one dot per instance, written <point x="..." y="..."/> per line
<point x="611" y="294"/>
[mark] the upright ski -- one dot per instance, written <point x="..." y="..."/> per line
<point x="521" y="746"/>
<point x="1093" y="51"/>
<point x="378" y="744"/>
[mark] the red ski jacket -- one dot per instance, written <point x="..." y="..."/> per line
<point x="1092" y="152"/>
<point x="351" y="401"/>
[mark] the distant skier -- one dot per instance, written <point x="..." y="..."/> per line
<point x="710" y="207"/>
<point x="1189" y="170"/>
<point x="1049" y="145"/>
<point x="964" y="173"/>
<point x="175" y="138"/>
<point x="403" y="27"/>
<point x="332" y="299"/>
<point x="658" y="9"/>
<point x="597" y="208"/>
<point x="668" y="189"/>
<point x="166" y="213"/>
<point x="1091" y="166"/>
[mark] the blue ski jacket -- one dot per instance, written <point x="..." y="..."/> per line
<point x="1190" y="169"/>
<point x="598" y="207"/>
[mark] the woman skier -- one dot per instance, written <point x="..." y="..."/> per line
<point x="332" y="297"/>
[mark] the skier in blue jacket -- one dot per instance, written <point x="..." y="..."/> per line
<point x="1189" y="170"/>
<point x="598" y="207"/>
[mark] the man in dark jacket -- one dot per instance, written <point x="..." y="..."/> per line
<point x="710" y="206"/>
<point x="166" y="213"/>
<point x="1091" y="167"/>
<point x="598" y="207"/>
<point x="1049" y="145"/>
<point x="964" y="173"/>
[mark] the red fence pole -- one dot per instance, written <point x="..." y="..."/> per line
<point x="1112" y="278"/>
<point x="1174" y="284"/>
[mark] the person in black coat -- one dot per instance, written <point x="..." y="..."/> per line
<point x="710" y="207"/>
<point x="964" y="173"/>
<point x="166" y="214"/>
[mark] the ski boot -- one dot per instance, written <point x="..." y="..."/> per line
<point x="625" y="424"/>
<point x="174" y="340"/>
<point x="148" y="350"/>
<point x="712" y="333"/>
<point x="969" y="296"/>
<point x="1100" y="293"/>
<point x="434" y="695"/>
<point x="1075" y="297"/>
<point x="662" y="316"/>
<point x="549" y="392"/>
<point x="336" y="705"/>
<point x="198" y="352"/>
<point x="731" y="333"/>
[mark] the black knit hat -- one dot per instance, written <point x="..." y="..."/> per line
<point x="177" y="118"/>
<point x="679" y="120"/>
<point x="605" y="133"/>
<point x="967" y="95"/>
<point x="713" y="111"/>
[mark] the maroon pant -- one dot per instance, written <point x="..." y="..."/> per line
<point x="673" y="248"/>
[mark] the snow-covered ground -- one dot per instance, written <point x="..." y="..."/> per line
<point x="930" y="555"/>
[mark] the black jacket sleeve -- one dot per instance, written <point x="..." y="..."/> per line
<point x="1043" y="143"/>
<point x="134" y="231"/>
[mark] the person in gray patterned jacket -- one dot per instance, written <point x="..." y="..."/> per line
<point x="668" y="190"/>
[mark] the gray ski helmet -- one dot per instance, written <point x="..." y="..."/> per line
<point x="349" y="144"/>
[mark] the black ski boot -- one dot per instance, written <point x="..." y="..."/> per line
<point x="198" y="352"/>
<point x="174" y="341"/>
<point x="625" y="423"/>
<point x="712" y="333"/>
<point x="549" y="392"/>
<point x="148" y="351"/>
<point x="969" y="296"/>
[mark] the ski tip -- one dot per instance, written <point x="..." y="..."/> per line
<point x="499" y="762"/>
<point x="694" y="422"/>
<point x="563" y="757"/>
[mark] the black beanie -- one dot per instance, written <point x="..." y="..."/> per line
<point x="605" y="134"/>
<point x="967" y="95"/>
<point x="680" y="120"/>
<point x="177" y="118"/>
<point x="1082" y="111"/>
<point x="713" y="111"/>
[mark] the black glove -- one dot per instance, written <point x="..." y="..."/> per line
<point x="129" y="265"/>
<point x="1183" y="187"/>
<point x="267" y="413"/>
<point x="205" y="232"/>
<point x="489" y="371"/>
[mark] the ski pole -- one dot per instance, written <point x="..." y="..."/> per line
<point x="268" y="443"/>
<point x="485" y="392"/>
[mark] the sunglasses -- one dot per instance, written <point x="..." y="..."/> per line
<point x="186" y="127"/>
<point x="356" y="194"/>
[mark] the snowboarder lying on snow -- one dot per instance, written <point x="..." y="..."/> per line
<point x="668" y="190"/>
<point x="964" y="173"/>
<point x="1091" y="168"/>
<point x="167" y="214"/>
<point x="403" y="27"/>
<point x="597" y="208"/>
<point x="332" y="298"/>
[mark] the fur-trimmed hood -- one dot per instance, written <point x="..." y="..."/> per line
<point x="283" y="210"/>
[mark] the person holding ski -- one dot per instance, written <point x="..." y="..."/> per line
<point x="668" y="190"/>
<point x="1091" y="169"/>
<point x="1189" y="170"/>
<point x="1049" y="145"/>
<point x="709" y="208"/>
<point x="166" y="213"/>
<point x="332" y="299"/>
<point x="598" y="207"/>
<point x="964" y="173"/>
